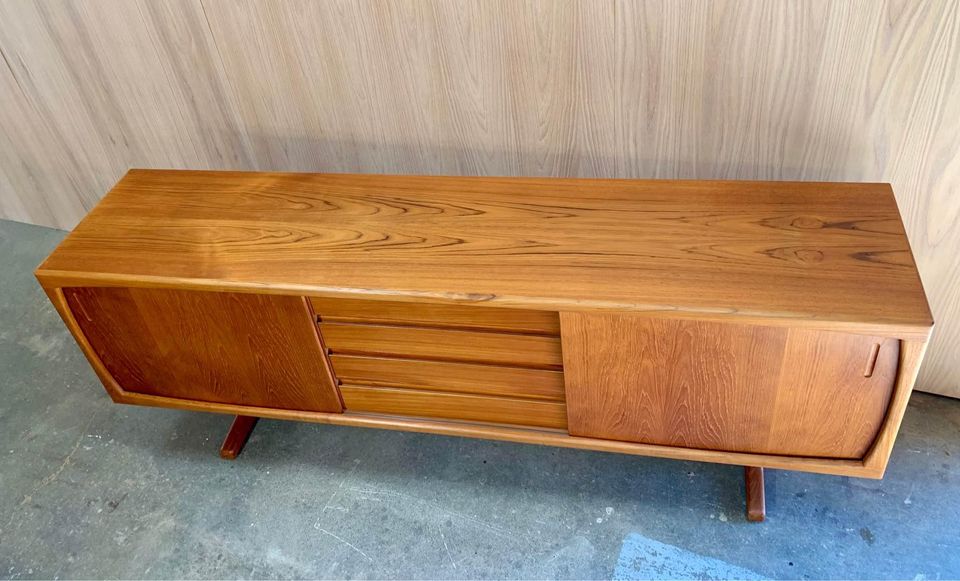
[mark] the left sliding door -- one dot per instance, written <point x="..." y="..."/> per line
<point x="230" y="348"/>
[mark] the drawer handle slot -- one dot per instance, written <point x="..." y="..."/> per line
<point x="872" y="360"/>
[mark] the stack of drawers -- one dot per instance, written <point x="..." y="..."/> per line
<point x="455" y="362"/>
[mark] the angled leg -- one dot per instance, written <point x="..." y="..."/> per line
<point x="237" y="436"/>
<point x="756" y="504"/>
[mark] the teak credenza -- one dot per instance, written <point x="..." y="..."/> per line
<point x="764" y="324"/>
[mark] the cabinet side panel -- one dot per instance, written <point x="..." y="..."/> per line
<point x="59" y="301"/>
<point x="246" y="349"/>
<point x="911" y="355"/>
<point x="725" y="386"/>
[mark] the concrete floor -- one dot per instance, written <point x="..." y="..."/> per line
<point x="93" y="489"/>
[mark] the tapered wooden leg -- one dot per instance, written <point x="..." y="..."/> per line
<point x="237" y="436"/>
<point x="756" y="504"/>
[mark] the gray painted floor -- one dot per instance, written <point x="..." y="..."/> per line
<point x="93" y="489"/>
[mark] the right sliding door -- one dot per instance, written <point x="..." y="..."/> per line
<point x="726" y="386"/>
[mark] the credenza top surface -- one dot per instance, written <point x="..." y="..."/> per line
<point x="829" y="252"/>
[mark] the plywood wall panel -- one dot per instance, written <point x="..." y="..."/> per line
<point x="809" y="90"/>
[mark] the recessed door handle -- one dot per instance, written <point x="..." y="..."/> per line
<point x="872" y="360"/>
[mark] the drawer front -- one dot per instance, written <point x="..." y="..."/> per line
<point x="469" y="378"/>
<point x="454" y="406"/>
<point x="725" y="386"/>
<point x="455" y="362"/>
<point x="443" y="344"/>
<point x="437" y="315"/>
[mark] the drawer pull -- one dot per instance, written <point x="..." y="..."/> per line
<point x="872" y="360"/>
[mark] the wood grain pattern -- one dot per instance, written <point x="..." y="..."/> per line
<point x="444" y="376"/>
<point x="436" y="315"/>
<point x="740" y="89"/>
<point x="214" y="347"/>
<point x="59" y="301"/>
<point x="454" y="406"/>
<point x="832" y="254"/>
<point x="873" y="466"/>
<point x="443" y="344"/>
<point x="722" y="386"/>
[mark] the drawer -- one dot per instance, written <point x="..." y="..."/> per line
<point x="454" y="406"/>
<point x="437" y="315"/>
<point x="443" y="344"/>
<point x="470" y="378"/>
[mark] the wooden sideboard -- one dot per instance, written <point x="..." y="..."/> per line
<point x="763" y="324"/>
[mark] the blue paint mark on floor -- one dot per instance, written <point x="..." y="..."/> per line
<point x="643" y="558"/>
